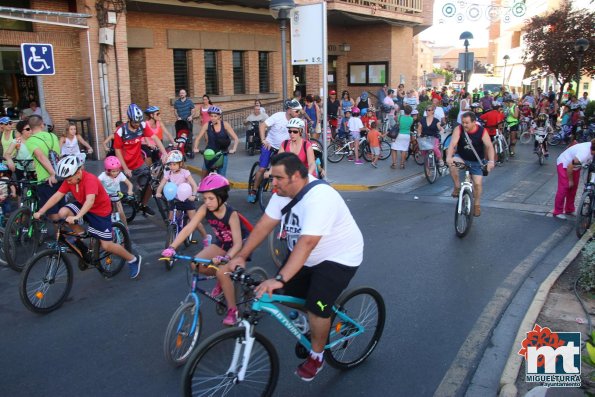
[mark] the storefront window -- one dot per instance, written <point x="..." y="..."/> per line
<point x="367" y="73"/>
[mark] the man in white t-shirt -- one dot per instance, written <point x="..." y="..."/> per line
<point x="326" y="248"/>
<point x="277" y="133"/>
<point x="569" y="171"/>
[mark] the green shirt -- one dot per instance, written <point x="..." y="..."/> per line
<point x="405" y="123"/>
<point x="42" y="141"/>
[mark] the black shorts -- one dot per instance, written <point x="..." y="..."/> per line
<point x="320" y="285"/>
<point x="45" y="191"/>
<point x="141" y="176"/>
<point x="99" y="226"/>
<point x="514" y="128"/>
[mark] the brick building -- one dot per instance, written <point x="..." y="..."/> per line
<point x="227" y="49"/>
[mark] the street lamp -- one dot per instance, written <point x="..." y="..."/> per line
<point x="580" y="46"/>
<point x="280" y="10"/>
<point x="506" y="58"/>
<point x="466" y="36"/>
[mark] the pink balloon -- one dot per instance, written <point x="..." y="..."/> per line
<point x="184" y="191"/>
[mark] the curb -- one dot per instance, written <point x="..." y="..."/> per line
<point x="338" y="186"/>
<point x="513" y="364"/>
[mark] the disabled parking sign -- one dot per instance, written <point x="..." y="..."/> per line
<point x="38" y="59"/>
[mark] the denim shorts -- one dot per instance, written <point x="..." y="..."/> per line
<point x="476" y="167"/>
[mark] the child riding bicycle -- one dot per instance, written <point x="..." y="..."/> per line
<point x="111" y="179"/>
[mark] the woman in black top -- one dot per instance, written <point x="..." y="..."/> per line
<point x="429" y="126"/>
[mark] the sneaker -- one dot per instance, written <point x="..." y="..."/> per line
<point x="207" y="241"/>
<point x="309" y="368"/>
<point x="358" y="162"/>
<point x="252" y="197"/>
<point x="511" y="154"/>
<point x="374" y="165"/>
<point x="135" y="266"/>
<point x="232" y="317"/>
<point x="148" y="211"/>
<point x="216" y="291"/>
<point x="560" y="216"/>
<point x="350" y="158"/>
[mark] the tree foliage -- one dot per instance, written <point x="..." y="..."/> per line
<point x="550" y="41"/>
<point x="448" y="75"/>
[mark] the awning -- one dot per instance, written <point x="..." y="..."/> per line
<point x="527" y="81"/>
<point x="515" y="78"/>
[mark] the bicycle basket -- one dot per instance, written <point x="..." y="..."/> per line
<point x="426" y="142"/>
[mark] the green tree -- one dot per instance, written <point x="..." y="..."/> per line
<point x="550" y="40"/>
<point x="448" y="75"/>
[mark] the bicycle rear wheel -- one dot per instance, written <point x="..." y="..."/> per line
<point x="584" y="213"/>
<point x="430" y="169"/>
<point x="46" y="281"/>
<point x="209" y="372"/>
<point x="182" y="334"/>
<point x="252" y="176"/>
<point x="464" y="219"/>
<point x="525" y="137"/>
<point x="365" y="151"/>
<point x="264" y="193"/>
<point x="110" y="264"/>
<point x="384" y="150"/>
<point x="335" y="152"/>
<point x="365" y="306"/>
<point x="21" y="238"/>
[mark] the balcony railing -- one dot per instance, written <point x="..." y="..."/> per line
<point x="408" y="6"/>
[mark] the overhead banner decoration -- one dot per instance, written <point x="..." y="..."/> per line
<point x="463" y="10"/>
<point x="307" y="24"/>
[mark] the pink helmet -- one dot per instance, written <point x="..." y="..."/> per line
<point x="212" y="182"/>
<point x="355" y="110"/>
<point x="112" y="163"/>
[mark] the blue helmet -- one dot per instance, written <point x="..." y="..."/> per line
<point x="364" y="96"/>
<point x="214" y="109"/>
<point x="134" y="113"/>
<point x="364" y="111"/>
<point x="3" y="167"/>
<point x="4" y="120"/>
<point x="152" y="109"/>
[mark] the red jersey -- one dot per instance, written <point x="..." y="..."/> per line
<point x="492" y="119"/>
<point x="129" y="142"/>
<point x="89" y="184"/>
<point x="367" y="120"/>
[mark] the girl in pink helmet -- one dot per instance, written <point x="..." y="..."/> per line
<point x="111" y="179"/>
<point x="229" y="230"/>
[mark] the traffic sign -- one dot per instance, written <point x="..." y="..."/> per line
<point x="38" y="59"/>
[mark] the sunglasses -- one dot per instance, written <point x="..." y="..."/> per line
<point x="27" y="129"/>
<point x="294" y="131"/>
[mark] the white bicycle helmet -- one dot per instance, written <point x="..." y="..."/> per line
<point x="296" y="123"/>
<point x="175" y="156"/>
<point x="68" y="166"/>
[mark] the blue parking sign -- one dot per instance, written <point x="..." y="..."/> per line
<point x="38" y="59"/>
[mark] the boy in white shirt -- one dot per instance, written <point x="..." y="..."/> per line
<point x="356" y="127"/>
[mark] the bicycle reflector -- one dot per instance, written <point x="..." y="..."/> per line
<point x="338" y="327"/>
<point x="39" y="295"/>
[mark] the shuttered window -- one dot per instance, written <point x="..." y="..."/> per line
<point x="211" y="75"/>
<point x="263" y="72"/>
<point x="239" y="83"/>
<point x="181" y="70"/>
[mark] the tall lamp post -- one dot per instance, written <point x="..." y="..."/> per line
<point x="466" y="36"/>
<point x="506" y="58"/>
<point x="280" y="10"/>
<point x="581" y="46"/>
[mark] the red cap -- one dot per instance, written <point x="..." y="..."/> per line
<point x="333" y="92"/>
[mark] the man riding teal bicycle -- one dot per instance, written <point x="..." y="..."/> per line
<point x="317" y="222"/>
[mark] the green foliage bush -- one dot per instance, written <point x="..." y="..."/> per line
<point x="590" y="110"/>
<point x="421" y="108"/>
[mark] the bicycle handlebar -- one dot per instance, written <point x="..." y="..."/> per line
<point x="240" y="275"/>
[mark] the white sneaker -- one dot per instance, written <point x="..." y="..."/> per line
<point x="560" y="216"/>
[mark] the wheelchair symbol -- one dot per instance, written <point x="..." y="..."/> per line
<point x="35" y="59"/>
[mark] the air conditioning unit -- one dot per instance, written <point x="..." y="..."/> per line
<point x="106" y="36"/>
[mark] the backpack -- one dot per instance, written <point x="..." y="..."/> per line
<point x="53" y="156"/>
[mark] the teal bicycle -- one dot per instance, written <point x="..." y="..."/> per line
<point x="185" y="326"/>
<point x="240" y="361"/>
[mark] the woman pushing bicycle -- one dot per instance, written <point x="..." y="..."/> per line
<point x="229" y="233"/>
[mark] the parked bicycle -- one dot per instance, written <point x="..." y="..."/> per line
<point x="431" y="167"/>
<point x="586" y="207"/>
<point x="47" y="277"/>
<point x="244" y="359"/>
<point x="185" y="326"/>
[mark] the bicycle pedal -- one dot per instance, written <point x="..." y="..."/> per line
<point x="83" y="265"/>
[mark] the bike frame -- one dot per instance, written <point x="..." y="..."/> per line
<point x="466" y="185"/>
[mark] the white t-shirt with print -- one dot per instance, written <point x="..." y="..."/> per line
<point x="277" y="124"/>
<point x="355" y="124"/>
<point x="111" y="185"/>
<point x="322" y="212"/>
<point x="581" y="151"/>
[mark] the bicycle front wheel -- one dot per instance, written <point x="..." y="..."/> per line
<point x="366" y="307"/>
<point x="110" y="264"/>
<point x="430" y="169"/>
<point x="335" y="153"/>
<point x="213" y="368"/>
<point x="21" y="238"/>
<point x="129" y="207"/>
<point x="464" y="219"/>
<point x="525" y="137"/>
<point x="182" y="334"/>
<point x="584" y="213"/>
<point x="46" y="281"/>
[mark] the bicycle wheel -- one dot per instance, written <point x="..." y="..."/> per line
<point x="46" y="281"/>
<point x="418" y="157"/>
<point x="554" y="140"/>
<point x="188" y="240"/>
<point x="2" y="256"/>
<point x="163" y="208"/>
<point x="464" y="219"/>
<point x="365" y="306"/>
<point x="244" y="294"/>
<point x="525" y="137"/>
<point x="130" y="209"/>
<point x="540" y="155"/>
<point x="278" y="246"/>
<point x="21" y="238"/>
<point x="384" y="150"/>
<point x="209" y="370"/>
<point x="335" y="153"/>
<point x="505" y="150"/>
<point x="365" y="151"/>
<point x="110" y="264"/>
<point x="584" y="213"/>
<point x="182" y="334"/>
<point x="430" y="169"/>
<point x="172" y="231"/>
<point x="264" y="193"/>
<point x="251" y="177"/>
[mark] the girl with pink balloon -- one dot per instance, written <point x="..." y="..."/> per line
<point x="178" y="183"/>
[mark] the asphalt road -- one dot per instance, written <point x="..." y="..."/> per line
<point x="107" y="339"/>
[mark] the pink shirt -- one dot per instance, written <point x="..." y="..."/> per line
<point x="178" y="178"/>
<point x="204" y="116"/>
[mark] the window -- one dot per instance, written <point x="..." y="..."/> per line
<point x="367" y="73"/>
<point x="13" y="24"/>
<point x="516" y="39"/>
<point x="263" y="72"/>
<point x="181" y="70"/>
<point x="239" y="85"/>
<point x="211" y="75"/>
